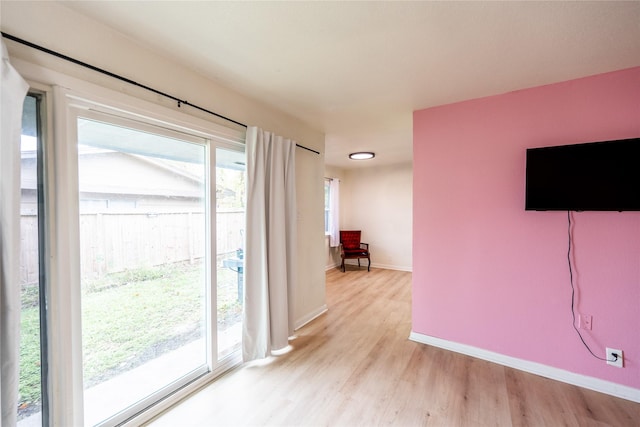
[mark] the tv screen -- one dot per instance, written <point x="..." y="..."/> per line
<point x="596" y="176"/>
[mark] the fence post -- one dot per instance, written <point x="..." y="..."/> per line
<point x="101" y="250"/>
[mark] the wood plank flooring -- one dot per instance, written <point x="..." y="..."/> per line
<point x="354" y="366"/>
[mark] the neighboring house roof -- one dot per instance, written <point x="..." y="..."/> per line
<point x="123" y="173"/>
<point x="111" y="172"/>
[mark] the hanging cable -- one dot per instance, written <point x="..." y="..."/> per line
<point x="573" y="294"/>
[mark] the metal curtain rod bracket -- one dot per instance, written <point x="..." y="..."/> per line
<point x="179" y="101"/>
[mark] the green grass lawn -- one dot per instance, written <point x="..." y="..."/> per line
<point x="127" y="319"/>
<point x="124" y="318"/>
<point x="29" y="358"/>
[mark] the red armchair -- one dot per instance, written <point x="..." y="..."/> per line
<point x="352" y="248"/>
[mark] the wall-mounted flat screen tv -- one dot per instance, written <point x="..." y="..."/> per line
<point x="595" y="176"/>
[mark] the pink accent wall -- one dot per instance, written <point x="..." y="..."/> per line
<point x="489" y="274"/>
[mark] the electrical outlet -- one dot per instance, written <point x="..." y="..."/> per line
<point x="617" y="360"/>
<point x="584" y="321"/>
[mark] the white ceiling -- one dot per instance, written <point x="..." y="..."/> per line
<point x="357" y="70"/>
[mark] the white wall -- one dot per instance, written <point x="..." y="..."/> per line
<point x="54" y="26"/>
<point x="378" y="201"/>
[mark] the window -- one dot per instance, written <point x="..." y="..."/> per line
<point x="332" y="210"/>
<point x="327" y="205"/>
<point x="230" y="223"/>
<point x="160" y="295"/>
<point x="144" y="259"/>
<point x="32" y="404"/>
<point x="143" y="263"/>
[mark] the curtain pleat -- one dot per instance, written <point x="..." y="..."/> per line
<point x="270" y="253"/>
<point x="13" y="90"/>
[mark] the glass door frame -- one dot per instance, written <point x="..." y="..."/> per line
<point x="92" y="114"/>
<point x="42" y="117"/>
<point x="64" y="316"/>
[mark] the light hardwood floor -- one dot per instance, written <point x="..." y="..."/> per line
<point x="354" y="366"/>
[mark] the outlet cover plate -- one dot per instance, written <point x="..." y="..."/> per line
<point x="584" y="321"/>
<point x="619" y="362"/>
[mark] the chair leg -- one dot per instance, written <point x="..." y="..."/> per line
<point x="344" y="269"/>
<point x="358" y="262"/>
<point x="369" y="266"/>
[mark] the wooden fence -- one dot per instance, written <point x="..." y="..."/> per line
<point x="111" y="242"/>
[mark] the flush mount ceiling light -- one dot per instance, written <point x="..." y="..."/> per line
<point x="362" y="155"/>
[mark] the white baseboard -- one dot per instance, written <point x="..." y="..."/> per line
<point x="374" y="265"/>
<point x="596" y="384"/>
<point x="310" y="316"/>
<point x="392" y="267"/>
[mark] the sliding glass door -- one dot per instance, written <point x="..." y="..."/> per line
<point x="230" y="210"/>
<point x="142" y="206"/>
<point x="32" y="405"/>
<point x="161" y="236"/>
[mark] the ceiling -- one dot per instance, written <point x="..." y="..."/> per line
<point x="357" y="70"/>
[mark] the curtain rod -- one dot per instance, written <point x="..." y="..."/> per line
<point x="127" y="80"/>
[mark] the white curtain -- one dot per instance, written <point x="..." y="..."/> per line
<point x="270" y="261"/>
<point x="13" y="90"/>
<point x="334" y="213"/>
